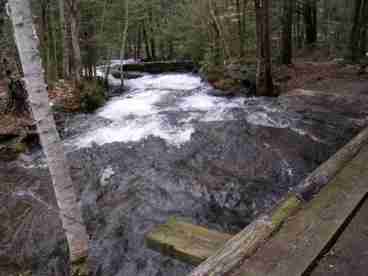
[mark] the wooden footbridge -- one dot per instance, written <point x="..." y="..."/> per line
<point x="286" y="241"/>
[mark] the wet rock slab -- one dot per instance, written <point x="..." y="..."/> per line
<point x="227" y="173"/>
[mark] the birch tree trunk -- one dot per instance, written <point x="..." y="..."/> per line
<point x="69" y="210"/>
<point x="123" y="43"/>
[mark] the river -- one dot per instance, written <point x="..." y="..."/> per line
<point x="165" y="148"/>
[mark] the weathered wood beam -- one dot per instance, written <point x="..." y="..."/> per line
<point x="304" y="237"/>
<point x="328" y="170"/>
<point x="186" y="242"/>
<point x="244" y="244"/>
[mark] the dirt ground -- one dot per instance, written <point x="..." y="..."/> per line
<point x="328" y="77"/>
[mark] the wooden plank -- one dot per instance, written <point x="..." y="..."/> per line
<point x="328" y="170"/>
<point x="186" y="242"/>
<point x="244" y="244"/>
<point x="300" y="241"/>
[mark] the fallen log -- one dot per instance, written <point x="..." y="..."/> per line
<point x="159" y="67"/>
<point x="245" y="243"/>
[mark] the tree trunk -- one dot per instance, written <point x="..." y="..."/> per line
<point x="102" y="28"/>
<point x="44" y="41"/>
<point x="2" y="15"/>
<point x="267" y="49"/>
<point x="146" y="41"/>
<point x="139" y="43"/>
<point x="123" y="43"/>
<point x="69" y="209"/>
<point x="218" y="29"/>
<point x="287" y="28"/>
<point x="240" y="28"/>
<point x="73" y="9"/>
<point x="264" y="70"/>
<point x="357" y="37"/>
<point x="259" y="44"/>
<point x="2" y="23"/>
<point x="65" y="40"/>
<point x="152" y="33"/>
<point x="310" y="21"/>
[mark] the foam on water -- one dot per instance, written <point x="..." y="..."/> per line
<point x="139" y="104"/>
<point x="136" y="116"/>
<point x="264" y="119"/>
<point x="146" y="109"/>
<point x="166" y="82"/>
<point x="136" y="130"/>
<point x="142" y="112"/>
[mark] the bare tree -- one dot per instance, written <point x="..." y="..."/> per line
<point x="69" y="210"/>
<point x="124" y="40"/>
<point x="310" y="21"/>
<point x="287" y="28"/>
<point x="264" y="70"/>
<point x="358" y="33"/>
<point x="65" y="40"/>
<point x="73" y="9"/>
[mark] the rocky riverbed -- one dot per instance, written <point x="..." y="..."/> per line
<point x="169" y="148"/>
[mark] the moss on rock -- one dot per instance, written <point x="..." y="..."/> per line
<point x="92" y="96"/>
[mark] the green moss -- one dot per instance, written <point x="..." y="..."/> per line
<point x="20" y="147"/>
<point x="92" y="96"/>
<point x="285" y="210"/>
<point x="80" y="267"/>
<point x="185" y="241"/>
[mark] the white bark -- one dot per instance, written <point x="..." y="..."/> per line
<point x="69" y="210"/>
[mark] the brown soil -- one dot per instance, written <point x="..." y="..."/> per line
<point x="328" y="77"/>
<point x="61" y="94"/>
